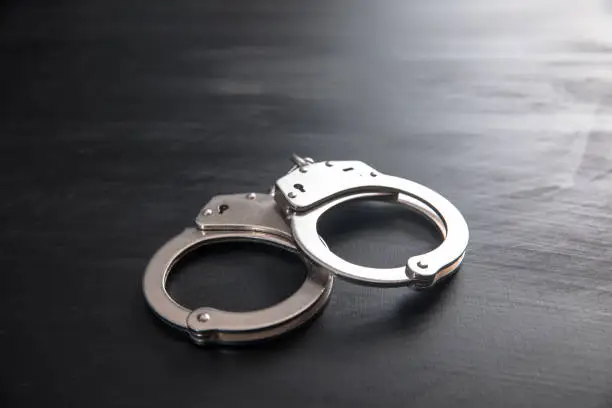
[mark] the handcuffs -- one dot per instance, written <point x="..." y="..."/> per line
<point x="287" y="218"/>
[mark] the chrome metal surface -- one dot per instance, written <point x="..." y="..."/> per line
<point x="239" y="217"/>
<point x="306" y="196"/>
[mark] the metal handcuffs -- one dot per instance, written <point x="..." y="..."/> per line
<point x="310" y="190"/>
<point x="287" y="218"/>
<point x="238" y="217"/>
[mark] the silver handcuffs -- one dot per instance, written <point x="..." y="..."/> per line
<point x="287" y="218"/>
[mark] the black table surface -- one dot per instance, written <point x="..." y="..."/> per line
<point x="120" y="119"/>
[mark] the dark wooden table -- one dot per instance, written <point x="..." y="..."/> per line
<point x="120" y="119"/>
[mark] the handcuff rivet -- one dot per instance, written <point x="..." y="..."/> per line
<point x="329" y="164"/>
<point x="208" y="211"/>
<point x="203" y="317"/>
<point x="303" y="170"/>
<point x="251" y="196"/>
<point x="422" y="265"/>
<point x="373" y="174"/>
<point x="291" y="194"/>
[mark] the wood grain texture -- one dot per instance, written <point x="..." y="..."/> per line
<point x="118" y="120"/>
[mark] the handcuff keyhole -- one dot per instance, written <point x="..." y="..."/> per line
<point x="299" y="187"/>
<point x="348" y="169"/>
<point x="223" y="208"/>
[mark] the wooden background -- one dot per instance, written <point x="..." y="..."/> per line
<point x="120" y="119"/>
